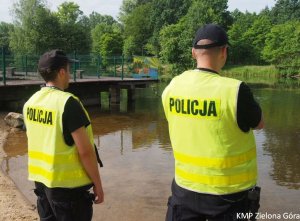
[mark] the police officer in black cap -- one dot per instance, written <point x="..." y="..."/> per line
<point x="211" y="121"/>
<point x="62" y="160"/>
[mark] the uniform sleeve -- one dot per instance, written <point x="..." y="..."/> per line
<point x="248" y="110"/>
<point x="73" y="118"/>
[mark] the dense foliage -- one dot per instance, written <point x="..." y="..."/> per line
<point x="161" y="28"/>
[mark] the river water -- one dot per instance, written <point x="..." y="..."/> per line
<point x="138" y="162"/>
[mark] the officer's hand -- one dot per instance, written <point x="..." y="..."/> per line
<point x="99" y="195"/>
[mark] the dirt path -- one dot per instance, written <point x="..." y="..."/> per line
<point x="13" y="205"/>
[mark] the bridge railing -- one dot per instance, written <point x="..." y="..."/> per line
<point x="94" y="65"/>
<point x="88" y="66"/>
<point x="18" y="67"/>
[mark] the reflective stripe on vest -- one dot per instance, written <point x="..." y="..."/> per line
<point x="50" y="160"/>
<point x="212" y="155"/>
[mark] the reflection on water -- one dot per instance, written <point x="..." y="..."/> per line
<point x="138" y="161"/>
<point x="142" y="129"/>
<point x="283" y="135"/>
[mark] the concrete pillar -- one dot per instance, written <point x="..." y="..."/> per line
<point x="114" y="96"/>
<point x="131" y="99"/>
<point x="130" y="95"/>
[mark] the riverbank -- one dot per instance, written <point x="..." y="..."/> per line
<point x="13" y="204"/>
<point x="265" y="72"/>
<point x="269" y="71"/>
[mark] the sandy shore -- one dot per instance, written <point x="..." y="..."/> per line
<point x="13" y="205"/>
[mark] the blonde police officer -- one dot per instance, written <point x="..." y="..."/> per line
<point x="210" y="122"/>
<point x="61" y="157"/>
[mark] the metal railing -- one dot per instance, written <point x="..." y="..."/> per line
<point x="88" y="66"/>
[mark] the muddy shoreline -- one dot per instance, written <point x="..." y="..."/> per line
<point x="14" y="206"/>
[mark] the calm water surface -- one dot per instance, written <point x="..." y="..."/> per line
<point x="138" y="161"/>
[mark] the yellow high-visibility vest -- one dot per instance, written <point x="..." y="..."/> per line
<point x="212" y="155"/>
<point x="50" y="160"/>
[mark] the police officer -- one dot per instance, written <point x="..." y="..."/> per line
<point x="210" y="120"/>
<point x="61" y="157"/>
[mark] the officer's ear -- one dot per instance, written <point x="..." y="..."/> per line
<point x="61" y="72"/>
<point x="224" y="51"/>
<point x="193" y="53"/>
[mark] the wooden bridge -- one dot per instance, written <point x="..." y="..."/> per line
<point x="15" y="92"/>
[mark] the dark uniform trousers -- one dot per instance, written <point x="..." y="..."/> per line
<point x="185" y="205"/>
<point x="64" y="204"/>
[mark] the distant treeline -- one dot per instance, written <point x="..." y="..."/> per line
<point x="161" y="28"/>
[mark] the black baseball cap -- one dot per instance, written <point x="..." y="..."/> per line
<point x="54" y="60"/>
<point x="212" y="32"/>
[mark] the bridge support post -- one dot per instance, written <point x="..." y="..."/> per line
<point x="114" y="96"/>
<point x="130" y="95"/>
<point x="131" y="98"/>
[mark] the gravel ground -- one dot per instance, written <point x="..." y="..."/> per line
<point x="13" y="205"/>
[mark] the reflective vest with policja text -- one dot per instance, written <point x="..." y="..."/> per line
<point x="212" y="155"/>
<point x="50" y="160"/>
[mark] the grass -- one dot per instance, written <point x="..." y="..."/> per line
<point x="266" y="75"/>
<point x="244" y="72"/>
<point x="250" y="71"/>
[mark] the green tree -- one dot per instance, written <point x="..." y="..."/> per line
<point x="205" y="11"/>
<point x="247" y="37"/>
<point x="36" y="28"/>
<point x="282" y="45"/>
<point x="241" y="49"/>
<point x="69" y="13"/>
<point x="46" y="37"/>
<point x="137" y="28"/>
<point x="255" y="37"/>
<point x="96" y="18"/>
<point x="129" y="47"/>
<point x="172" y="51"/>
<point x="111" y="44"/>
<point x="285" y="10"/>
<point x="166" y="12"/>
<point x="107" y="39"/>
<point x="126" y="8"/>
<point x="74" y="32"/>
<point x="178" y="38"/>
<point x="5" y="28"/>
<point x="97" y="34"/>
<point x="163" y="13"/>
